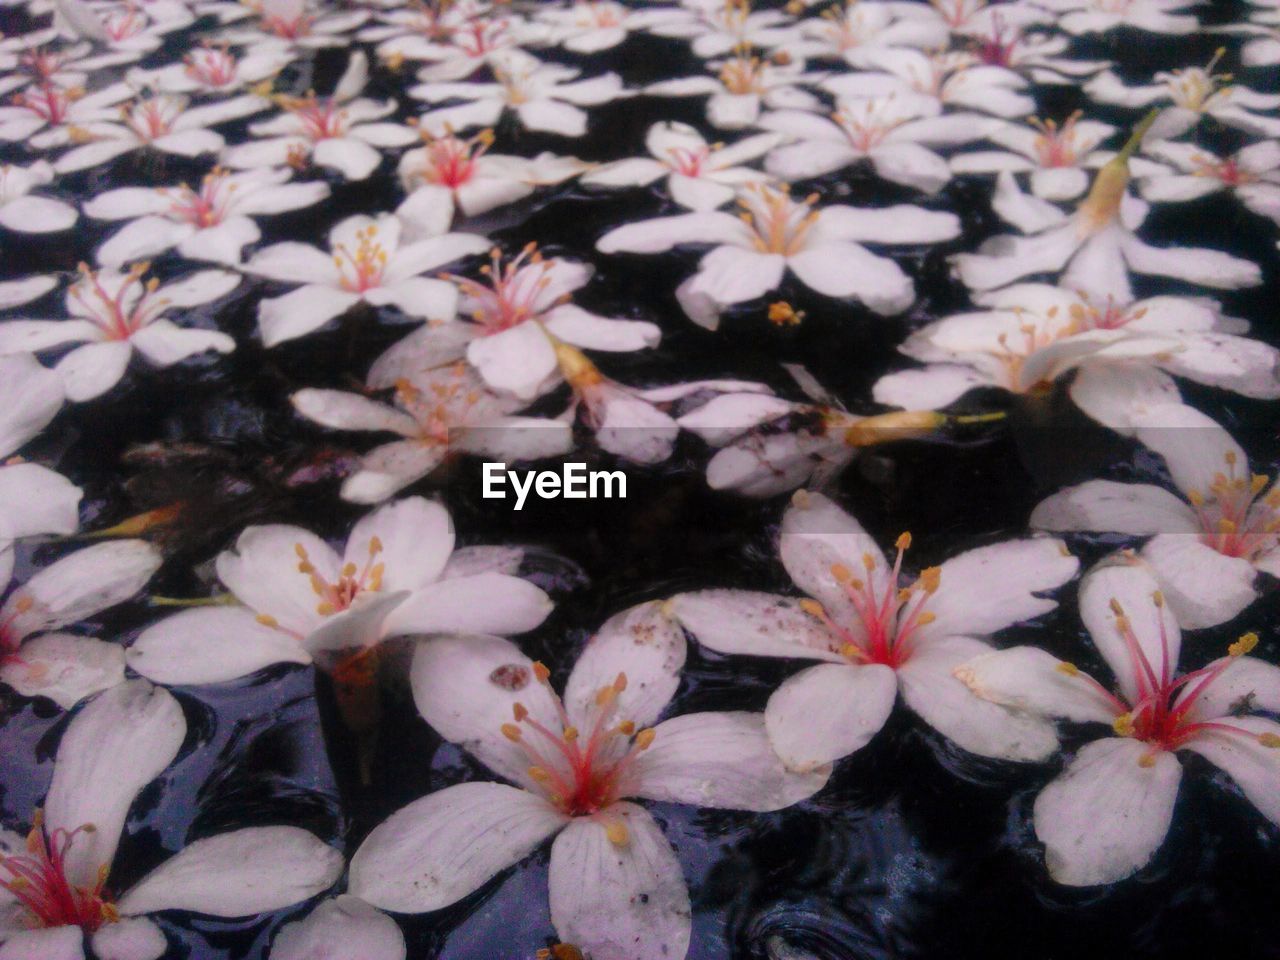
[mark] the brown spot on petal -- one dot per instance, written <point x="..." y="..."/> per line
<point x="510" y="676"/>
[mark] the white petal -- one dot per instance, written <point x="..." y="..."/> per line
<point x="301" y="312"/>
<point x="262" y="571"/>
<point x="575" y="325"/>
<point x="89" y="580"/>
<point x="64" y="668"/>
<point x="1033" y="681"/>
<point x="164" y="343"/>
<point x="519" y="359"/>
<point x="345" y="928"/>
<point x="90" y="371"/>
<point x="829" y="711"/>
<point x="1193" y="446"/>
<point x="1243" y="682"/>
<point x="113" y="748"/>
<point x="211" y="645"/>
<point x="130" y="938"/>
<point x="932" y="388"/>
<point x="239" y="874"/>
<point x="492" y="603"/>
<point x="351" y="411"/>
<point x="447" y="845"/>
<point x="931" y="689"/>
<point x="757" y="624"/>
<point x="1107" y="814"/>
<point x="619" y="902"/>
<point x="646" y="645"/>
<point x="30" y="397"/>
<point x="1204" y="587"/>
<point x="722" y="760"/>
<point x="51" y="943"/>
<point x="1105" y="506"/>
<point x="1121" y="395"/>
<point x="849" y="270"/>
<point x="416" y="537"/>
<point x="1253" y="766"/>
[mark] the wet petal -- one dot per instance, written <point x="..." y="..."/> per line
<point x="1033" y="681"/>
<point x="492" y="603"/>
<point x="346" y="924"/>
<point x="829" y="711"/>
<point x="211" y="645"/>
<point x="1105" y="506"/>
<point x="131" y="938"/>
<point x="262" y="571"/>
<point x="757" y="624"/>
<point x="1204" y="587"/>
<point x="64" y="668"/>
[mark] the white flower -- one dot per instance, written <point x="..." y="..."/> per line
<point x="1252" y="174"/>
<point x="589" y="26"/>
<point x="441" y="407"/>
<point x="950" y="79"/>
<point x="127" y="30"/>
<point x="822" y="247"/>
<point x="893" y="132"/>
<point x="367" y="264"/>
<point x="543" y="96"/>
<point x="216" y="70"/>
<point x="162" y="122"/>
<point x="32" y="63"/>
<point x="1056" y="156"/>
<point x="1034" y="334"/>
<point x="716" y="28"/>
<point x="483" y="42"/>
<point x="1191" y="93"/>
<point x="850" y="32"/>
<point x="114" y="313"/>
<point x="449" y="173"/>
<point x="295" y="22"/>
<point x="741" y="85"/>
<point x="340" y="131"/>
<point x="15" y="293"/>
<point x="1037" y="55"/>
<point x="44" y="116"/>
<point x="1207" y="546"/>
<point x="33" y="499"/>
<point x="302" y="602"/>
<point x="974" y="18"/>
<point x="1100" y="16"/>
<point x="37" y="661"/>
<point x="1107" y="813"/>
<point x="876" y="637"/>
<point x="420" y="32"/>
<point x="24" y="213"/>
<point x="616" y="888"/>
<point x="57" y="884"/>
<point x="1095" y="247"/>
<point x="635" y="424"/>
<point x="211" y="223"/>
<point x="700" y="176"/>
<point x="522" y="301"/>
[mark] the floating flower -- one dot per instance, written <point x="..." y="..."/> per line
<point x="717" y="28"/>
<point x="44" y="116"/>
<point x="1192" y="93"/>
<point x="1101" y="16"/>
<point x="39" y="662"/>
<point x="58" y="883"/>
<point x="700" y="176"/>
<point x="848" y="32"/>
<point x="297" y="23"/>
<point x="440" y="409"/>
<point x="776" y="234"/>
<point x="742" y="85"/>
<point x="543" y="96"/>
<point x="114" y="313"/>
<point x="368" y="263"/>
<point x="302" y="602"/>
<point x="975" y="18"/>
<point x="1251" y="173"/>
<point x="162" y="122"/>
<point x="616" y="887"/>
<point x="214" y="69"/>
<point x="878" y="634"/>
<point x="590" y="26"/>
<point x="449" y="173"/>
<point x="1121" y="353"/>
<point x="1208" y="545"/>
<point x="1107" y="813"/>
<point x="210" y="223"/>
<point x="483" y="42"/>
<point x="894" y="133"/>
<point x="1096" y="246"/>
<point x="1037" y="56"/>
<point x="24" y="213"/>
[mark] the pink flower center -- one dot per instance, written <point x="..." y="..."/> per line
<point x="154" y="118"/>
<point x="352" y="581"/>
<point x="889" y="617"/>
<point x="778" y="224"/>
<point x="49" y="102"/>
<point x="1056" y="145"/>
<point x="996" y="50"/>
<point x="1227" y="170"/>
<point x="322" y="118"/>
<point x="867" y="122"/>
<point x="599" y="15"/>
<point x="482" y="37"/>
<point x="125" y="23"/>
<point x="42" y="64"/>
<point x="287" y="27"/>
<point x="1235" y="518"/>
<point x="211" y="67"/>
<point x="440" y="406"/>
<point x="206" y="207"/>
<point x="956" y="12"/>
<point x="121" y="314"/>
<point x="582" y="772"/>
<point x="743" y="75"/>
<point x="1159" y="713"/>
<point x="514" y="292"/>
<point x="361" y="269"/>
<point x="451" y="161"/>
<point x="688" y="160"/>
<point x="38" y="881"/>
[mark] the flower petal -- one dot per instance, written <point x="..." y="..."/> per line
<point x="1254" y="766"/>
<point x="64" y="668"/>
<point x="1033" y="681"/>
<point x="88" y="581"/>
<point x="826" y="712"/>
<point x="757" y="624"/>
<point x="492" y="603"/>
<point x="262" y="571"/>
<point x="1104" y="506"/>
<point x="1204" y="587"/>
<point x="346" y="924"/>
<point x="211" y="645"/>
<point x="447" y="845"/>
<point x="130" y="938"/>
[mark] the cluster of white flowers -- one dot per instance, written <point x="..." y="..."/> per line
<point x="921" y="102"/>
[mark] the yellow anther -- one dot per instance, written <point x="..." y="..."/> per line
<point x="904" y="541"/>
<point x="616" y="831"/>
<point x="627" y="728"/>
<point x="375" y="545"/>
<point x="540" y="671"/>
<point x="1227" y="526"/>
<point x="606" y="696"/>
<point x="24" y="603"/>
<point x="349" y="570"/>
<point x="1116" y="608"/>
<point x="620" y="682"/>
<point x="1158" y="598"/>
<point x="1257" y="484"/>
<point x="644" y="739"/>
<point x="570" y="734"/>
<point x="781" y="313"/>
<point x="300" y="550"/>
<point x="325" y="609"/>
<point x="869" y="562"/>
<point x="305" y="567"/>
<point x="1147" y="761"/>
<point x="1196" y="498"/>
<point x="926" y="618"/>
<point x="1069" y="669"/>
<point x="267" y="620"/>
<point x="1230" y="458"/>
<point x="519" y="711"/>
<point x="813" y="608"/>
<point x="538" y="774"/>
<point x="930" y="579"/>
<point x="1244" y="645"/>
<point x="1269" y="740"/>
<point x="841" y="573"/>
<point x="1123" y="725"/>
<point x="511" y="732"/>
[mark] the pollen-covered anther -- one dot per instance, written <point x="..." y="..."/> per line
<point x="1269" y="740"/>
<point x="1123" y="725"/>
<point x="1244" y="645"/>
<point x="1068" y="669"/>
